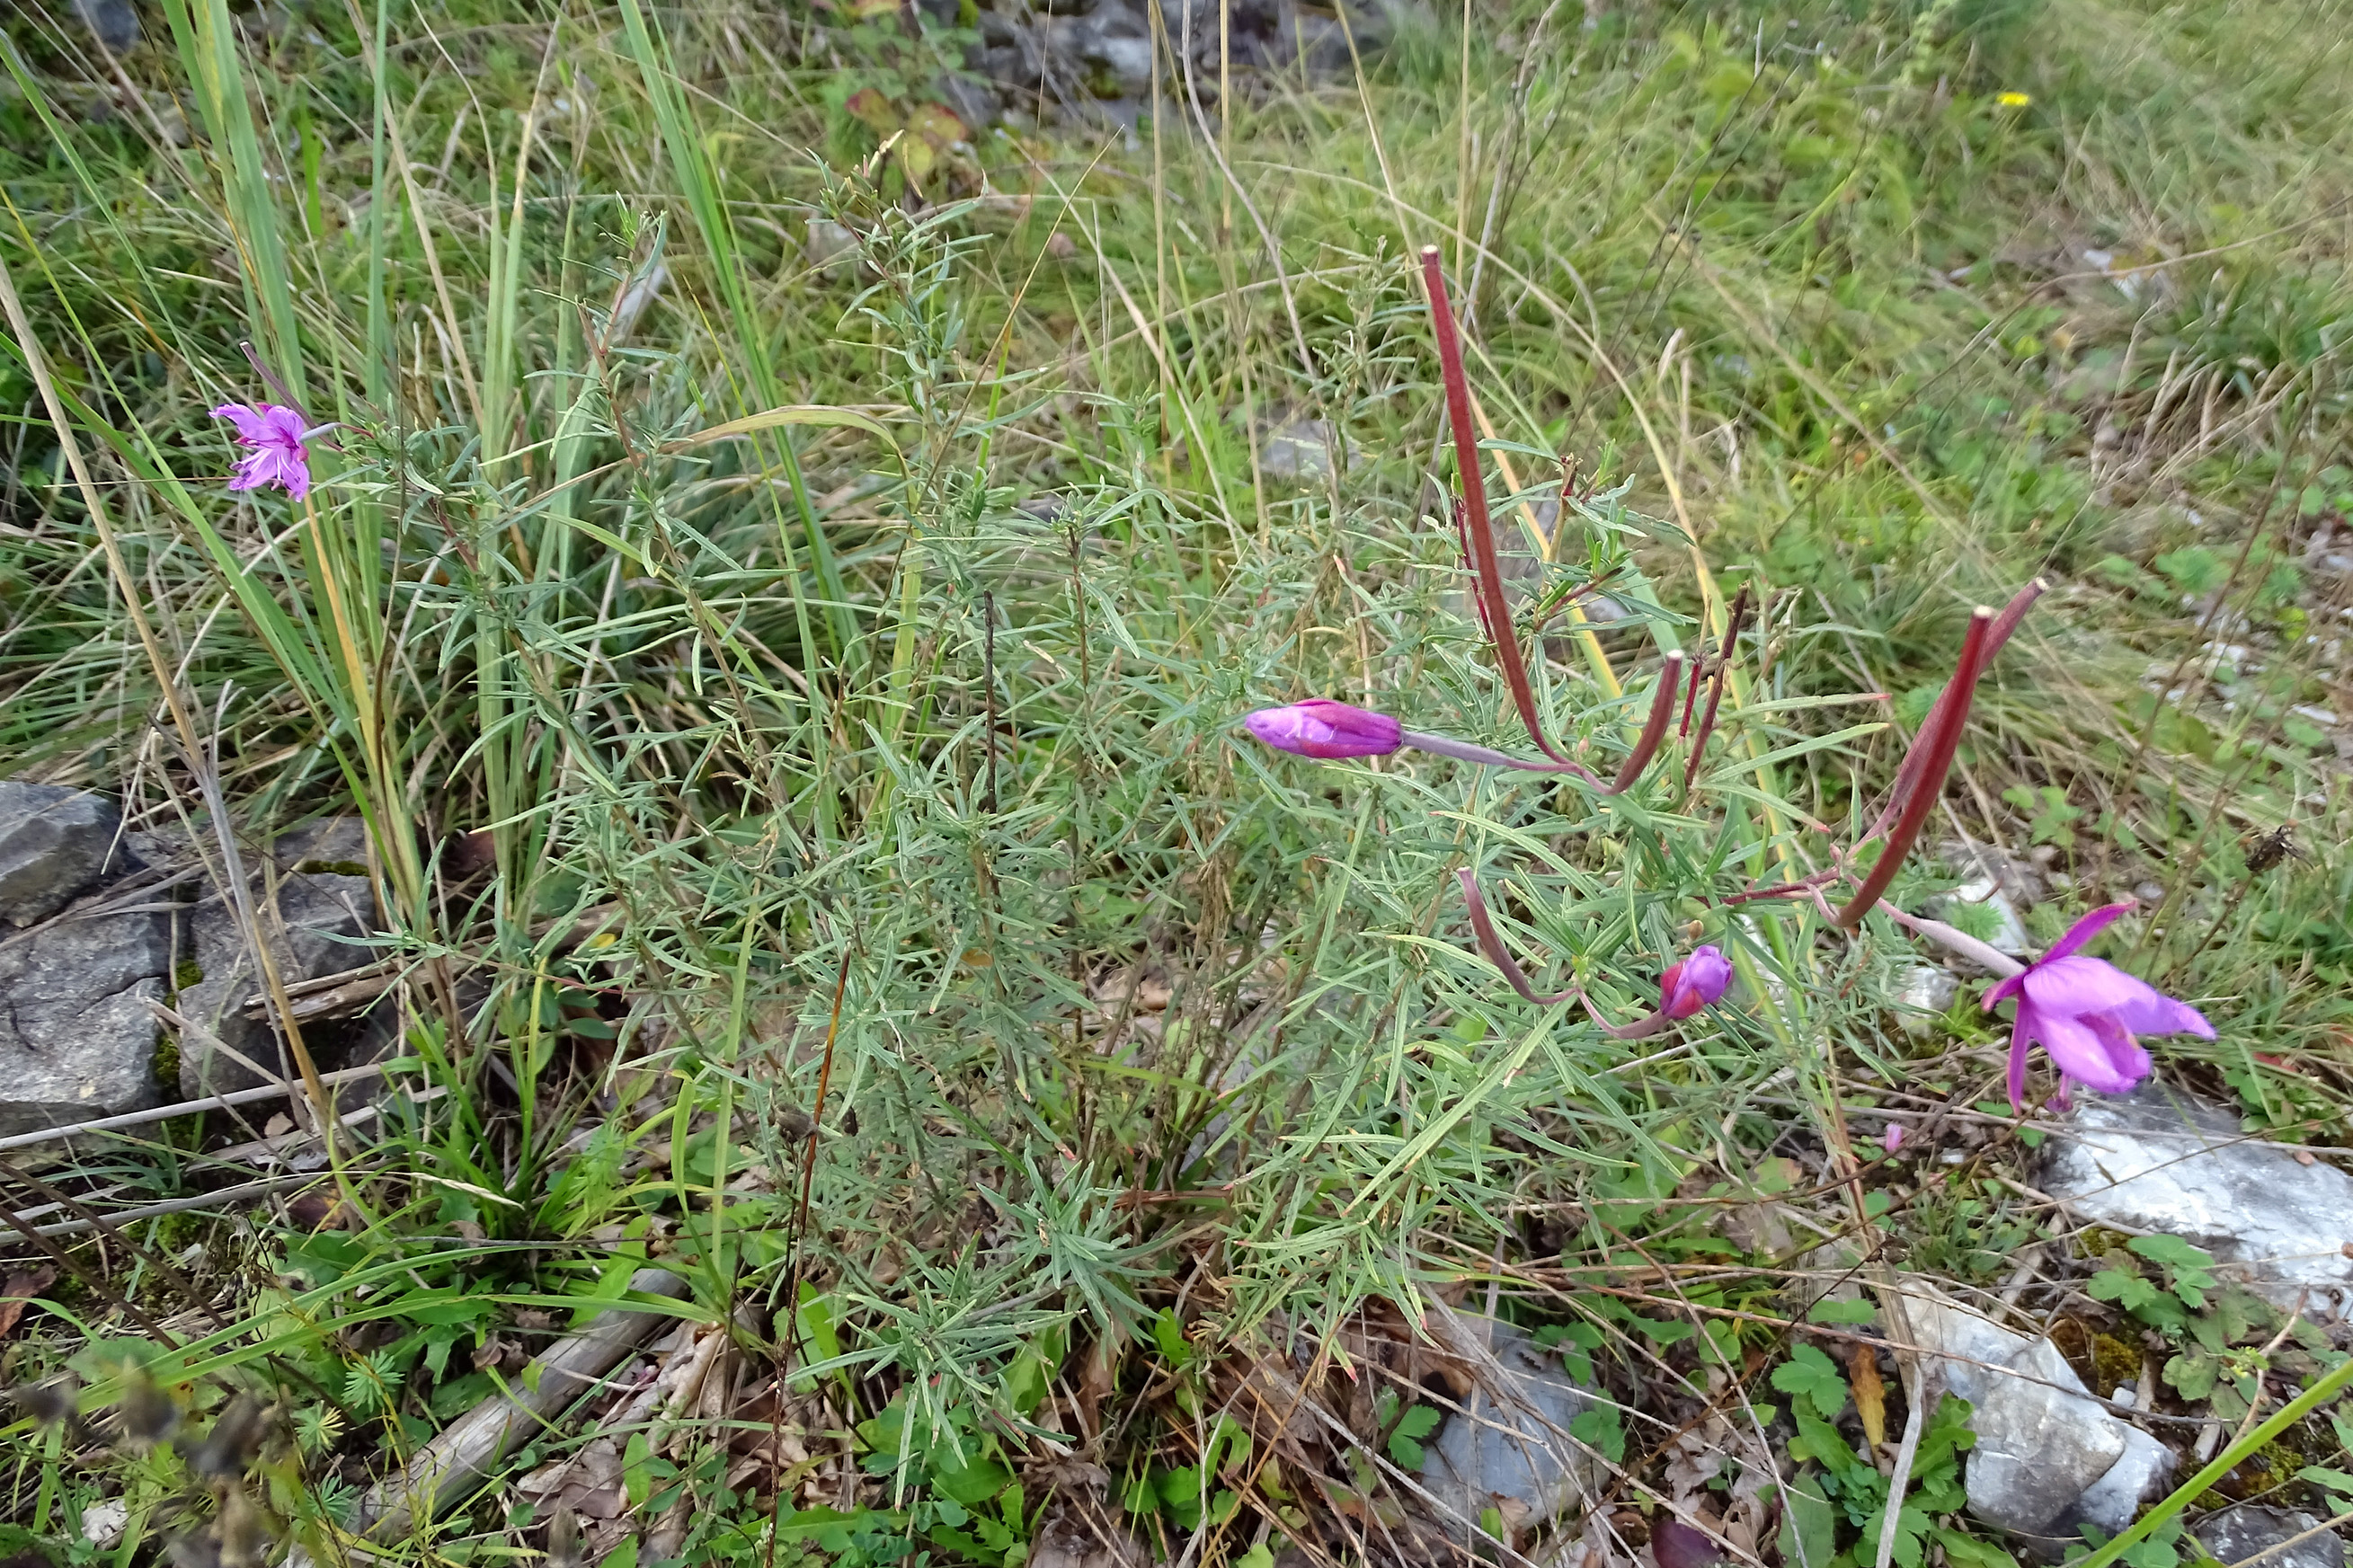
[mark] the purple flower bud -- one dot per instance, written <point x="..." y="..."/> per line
<point x="1893" y="1139"/>
<point x="1322" y="728"/>
<point x="1692" y="984"/>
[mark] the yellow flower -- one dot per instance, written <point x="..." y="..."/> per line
<point x="2015" y="100"/>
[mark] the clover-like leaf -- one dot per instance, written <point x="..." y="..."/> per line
<point x="1810" y="1375"/>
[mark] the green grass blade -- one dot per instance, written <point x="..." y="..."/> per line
<point x="699" y="189"/>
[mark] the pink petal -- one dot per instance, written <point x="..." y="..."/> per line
<point x="2003" y="991"/>
<point x="2083" y="987"/>
<point x="2017" y="1042"/>
<point x="1284" y="728"/>
<point x="2125" y="1053"/>
<point x="2157" y="1014"/>
<point x="254" y="470"/>
<point x="1320" y="728"/>
<point x="282" y="426"/>
<point x="2080" y="1052"/>
<point x="250" y="422"/>
<point x="266" y="465"/>
<point x="1692" y="983"/>
<point x="2084" y="930"/>
<point x="2078" y="986"/>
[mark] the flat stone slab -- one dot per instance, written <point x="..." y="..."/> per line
<point x="53" y="845"/>
<point x="311" y="910"/>
<point x="2047" y="1454"/>
<point x="2237" y="1533"/>
<point x="1509" y="1449"/>
<point x="77" y="1037"/>
<point x="2159" y="1160"/>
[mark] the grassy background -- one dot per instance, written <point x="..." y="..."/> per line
<point x="919" y="680"/>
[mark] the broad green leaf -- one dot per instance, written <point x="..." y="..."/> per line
<point x="1828" y="1311"/>
<point x="1810" y="1374"/>
<point x="1603" y="1429"/>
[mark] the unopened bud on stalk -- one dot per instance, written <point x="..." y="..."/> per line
<point x="1935" y="749"/>
<point x="1319" y="727"/>
<point x="1688" y="985"/>
<point x="1693" y="982"/>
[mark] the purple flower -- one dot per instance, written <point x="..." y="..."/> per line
<point x="2085" y="1012"/>
<point x="1693" y="982"/>
<point x="275" y="432"/>
<point x="1322" y="728"/>
<point x="1893" y="1139"/>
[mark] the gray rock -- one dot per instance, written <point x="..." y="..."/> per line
<point x="2115" y="1499"/>
<point x="102" y="1524"/>
<point x="1510" y="1447"/>
<point x="113" y="21"/>
<point x="2039" y="1448"/>
<point x="1322" y="45"/>
<point x="2159" y="1160"/>
<point x="338" y="844"/>
<point x="1093" y="59"/>
<point x="1299" y="453"/>
<point x="2237" y="1533"/>
<point x="1111" y="46"/>
<point x="310" y="911"/>
<point x="1923" y="992"/>
<point x="831" y="248"/>
<point x="77" y="1039"/>
<point x="2048" y="1453"/>
<point x="970" y="100"/>
<point x="1127" y="60"/>
<point x="2019" y="878"/>
<point x="53" y="845"/>
<point x="1279" y="35"/>
<point x="643" y="291"/>
<point x="1524" y="572"/>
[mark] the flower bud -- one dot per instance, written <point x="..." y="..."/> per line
<point x="1692" y="984"/>
<point x="1322" y="728"/>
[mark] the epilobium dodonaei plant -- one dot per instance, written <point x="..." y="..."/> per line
<point x="1325" y="728"/>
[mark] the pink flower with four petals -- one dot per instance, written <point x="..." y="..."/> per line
<point x="278" y="457"/>
<point x="2085" y="1012"/>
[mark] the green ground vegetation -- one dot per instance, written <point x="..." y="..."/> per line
<point x="847" y="644"/>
